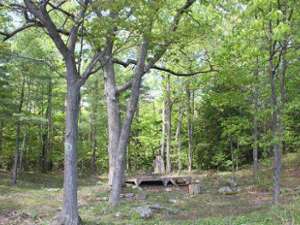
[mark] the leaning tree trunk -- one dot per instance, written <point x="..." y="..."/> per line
<point x="168" y="125"/>
<point x="118" y="176"/>
<point x="18" y="132"/>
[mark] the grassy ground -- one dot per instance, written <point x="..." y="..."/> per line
<point x="38" y="198"/>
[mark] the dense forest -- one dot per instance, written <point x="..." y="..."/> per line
<point x="103" y="87"/>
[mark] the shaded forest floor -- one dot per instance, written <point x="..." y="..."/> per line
<point x="38" y="198"/>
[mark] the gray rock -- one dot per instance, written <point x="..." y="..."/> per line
<point x="231" y="182"/>
<point x="144" y="211"/>
<point x="226" y="190"/>
<point x="156" y="206"/>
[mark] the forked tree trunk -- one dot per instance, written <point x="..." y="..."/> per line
<point x="119" y="170"/>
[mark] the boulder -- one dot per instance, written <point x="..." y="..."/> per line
<point x="144" y="211"/>
<point x="156" y="206"/>
<point x="231" y="182"/>
<point x="226" y="190"/>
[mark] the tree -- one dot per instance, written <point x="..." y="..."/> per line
<point x="38" y="15"/>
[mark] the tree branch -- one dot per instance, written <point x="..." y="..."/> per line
<point x="90" y="68"/>
<point x="128" y="84"/>
<point x="43" y="16"/>
<point x="13" y="33"/>
<point x="58" y="8"/>
<point x="173" y="29"/>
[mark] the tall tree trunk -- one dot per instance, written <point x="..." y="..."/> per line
<point x="283" y="94"/>
<point x="1" y="135"/>
<point x="118" y="176"/>
<point x="22" y="150"/>
<point x="232" y="157"/>
<point x="178" y="138"/>
<point x="255" y="148"/>
<point x="113" y="110"/>
<point x="168" y="125"/>
<point x="46" y="133"/>
<point x="276" y="136"/>
<point x="70" y="209"/>
<point x="255" y="124"/>
<point x="93" y="129"/>
<point x="190" y="129"/>
<point x="163" y="132"/>
<point x="18" y="132"/>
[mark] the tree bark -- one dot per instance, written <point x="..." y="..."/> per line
<point x="22" y="150"/>
<point x="255" y="148"/>
<point x="178" y="138"/>
<point x="1" y="135"/>
<point x="190" y="129"/>
<point x="118" y="176"/>
<point x="255" y="124"/>
<point x="163" y="132"/>
<point x="283" y="95"/>
<point x="18" y="132"/>
<point x="276" y="136"/>
<point x="93" y="129"/>
<point x="168" y="125"/>
<point x="113" y="109"/>
<point x="70" y="209"/>
<point x="46" y="136"/>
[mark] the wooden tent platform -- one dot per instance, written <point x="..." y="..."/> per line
<point x="164" y="180"/>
